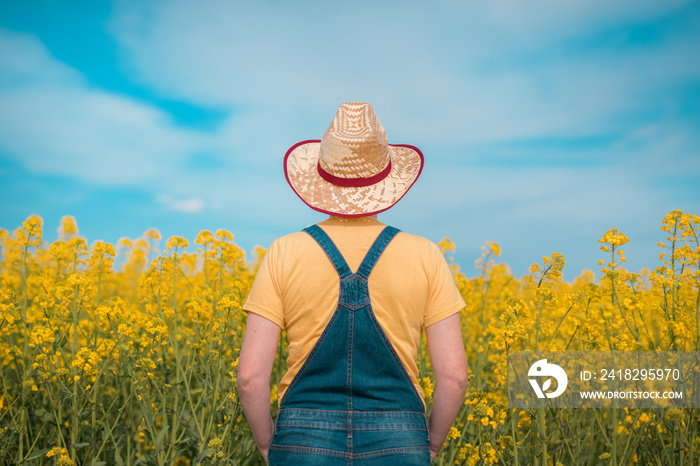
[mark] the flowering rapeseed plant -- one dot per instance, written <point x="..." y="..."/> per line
<point x="117" y="354"/>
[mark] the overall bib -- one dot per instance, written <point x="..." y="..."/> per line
<point x="352" y="402"/>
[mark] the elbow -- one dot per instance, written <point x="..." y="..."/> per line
<point x="464" y="383"/>
<point x="456" y="379"/>
<point x="249" y="381"/>
<point x="461" y="378"/>
<point x="243" y="383"/>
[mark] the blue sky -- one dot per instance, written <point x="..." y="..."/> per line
<point x="543" y="123"/>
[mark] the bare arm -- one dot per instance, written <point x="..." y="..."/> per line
<point x="450" y="366"/>
<point x="254" y="370"/>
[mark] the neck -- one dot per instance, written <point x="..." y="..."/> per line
<point x="353" y="218"/>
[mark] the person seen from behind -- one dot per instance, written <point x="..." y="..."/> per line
<point x="354" y="296"/>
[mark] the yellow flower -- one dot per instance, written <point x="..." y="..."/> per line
<point x="453" y="433"/>
<point x="224" y="235"/>
<point x="273" y="395"/>
<point x="205" y="238"/>
<point x="495" y="248"/>
<point x="41" y="335"/>
<point x="614" y="238"/>
<point x="30" y="233"/>
<point x="175" y="243"/>
<point x="215" y="443"/>
<point x="446" y="246"/>
<point x="63" y="458"/>
<point x="427" y="386"/>
<point x="674" y="414"/>
<point x="68" y="228"/>
<point x="56" y="451"/>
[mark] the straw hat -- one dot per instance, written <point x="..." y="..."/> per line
<point x="352" y="171"/>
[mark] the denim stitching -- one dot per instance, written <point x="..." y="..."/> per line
<point x="389" y="451"/>
<point x="348" y="382"/>
<point x="376" y="250"/>
<point x="311" y="449"/>
<point x="364" y="302"/>
<point x="315" y="426"/>
<point x="343" y="411"/>
<point x="331" y="250"/>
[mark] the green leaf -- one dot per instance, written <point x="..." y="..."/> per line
<point x="202" y="455"/>
<point x="142" y="459"/>
<point x="37" y="454"/>
<point x="118" y="458"/>
<point x="161" y="436"/>
<point x="175" y="456"/>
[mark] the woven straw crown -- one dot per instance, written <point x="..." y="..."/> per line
<point x="355" y="144"/>
<point x="353" y="171"/>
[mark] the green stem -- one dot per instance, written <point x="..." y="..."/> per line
<point x="25" y="306"/>
<point x="74" y="373"/>
<point x="513" y="436"/>
<point x="93" y="416"/>
<point x="543" y="434"/>
<point x="175" y="296"/>
<point x="613" y="434"/>
<point x="559" y="325"/>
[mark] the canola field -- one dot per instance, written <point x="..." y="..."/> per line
<point x="126" y="354"/>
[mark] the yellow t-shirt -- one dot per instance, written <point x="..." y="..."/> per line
<point x="296" y="287"/>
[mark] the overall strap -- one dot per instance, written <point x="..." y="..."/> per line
<point x="376" y="251"/>
<point x="330" y="249"/>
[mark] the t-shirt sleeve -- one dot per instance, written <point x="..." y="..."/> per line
<point x="444" y="299"/>
<point x="265" y="298"/>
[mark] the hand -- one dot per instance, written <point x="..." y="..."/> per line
<point x="264" y="455"/>
<point x="433" y="454"/>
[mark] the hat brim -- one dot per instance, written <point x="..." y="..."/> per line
<point x="300" y="169"/>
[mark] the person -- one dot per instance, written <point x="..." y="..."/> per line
<point x="354" y="296"/>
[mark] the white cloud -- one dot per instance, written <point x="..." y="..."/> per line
<point x="52" y="122"/>
<point x="190" y="206"/>
<point x="25" y="61"/>
<point x="542" y="18"/>
<point x="424" y="66"/>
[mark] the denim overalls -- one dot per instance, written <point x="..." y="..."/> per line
<point x="352" y="401"/>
